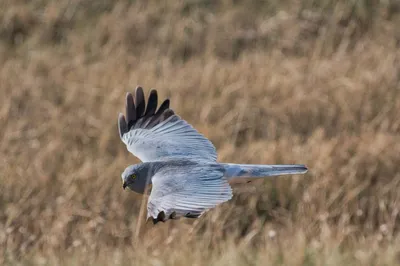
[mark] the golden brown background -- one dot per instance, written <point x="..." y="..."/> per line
<point x="313" y="82"/>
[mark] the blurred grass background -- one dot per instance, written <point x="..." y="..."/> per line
<point x="313" y="82"/>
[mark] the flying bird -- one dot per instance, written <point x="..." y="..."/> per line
<point x="178" y="162"/>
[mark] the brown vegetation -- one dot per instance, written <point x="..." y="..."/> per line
<point x="313" y="82"/>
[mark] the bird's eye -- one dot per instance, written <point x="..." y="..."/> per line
<point x="133" y="176"/>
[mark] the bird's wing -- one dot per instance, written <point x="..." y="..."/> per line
<point x="153" y="135"/>
<point x="186" y="191"/>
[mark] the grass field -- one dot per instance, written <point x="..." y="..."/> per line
<point x="269" y="82"/>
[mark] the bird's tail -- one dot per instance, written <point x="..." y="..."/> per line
<point x="256" y="170"/>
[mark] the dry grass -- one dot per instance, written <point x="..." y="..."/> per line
<point x="314" y="82"/>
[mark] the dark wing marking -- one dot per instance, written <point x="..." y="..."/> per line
<point x="137" y="116"/>
<point x="152" y="134"/>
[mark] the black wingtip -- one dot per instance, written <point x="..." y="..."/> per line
<point x="164" y="106"/>
<point x="160" y="217"/>
<point x="139" y="101"/>
<point x="138" y="89"/>
<point x="152" y="103"/>
<point x="130" y="109"/>
<point x="129" y="95"/>
<point x="192" y="215"/>
<point x="141" y="114"/>
<point x="122" y="126"/>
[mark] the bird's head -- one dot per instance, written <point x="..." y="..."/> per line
<point x="135" y="177"/>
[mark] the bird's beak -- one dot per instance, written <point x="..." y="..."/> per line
<point x="124" y="185"/>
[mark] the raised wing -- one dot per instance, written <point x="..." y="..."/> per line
<point x="186" y="192"/>
<point x="153" y="135"/>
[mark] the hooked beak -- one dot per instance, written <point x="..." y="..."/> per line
<point x="124" y="185"/>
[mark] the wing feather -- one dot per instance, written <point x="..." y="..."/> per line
<point x="122" y="126"/>
<point x="188" y="192"/>
<point x="151" y="104"/>
<point x="130" y="109"/>
<point x="139" y="101"/>
<point x="154" y="135"/>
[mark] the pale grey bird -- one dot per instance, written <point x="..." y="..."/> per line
<point x="179" y="163"/>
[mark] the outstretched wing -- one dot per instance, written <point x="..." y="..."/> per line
<point x="153" y="135"/>
<point x="186" y="192"/>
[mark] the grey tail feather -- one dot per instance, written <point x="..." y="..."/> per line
<point x="257" y="170"/>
